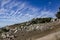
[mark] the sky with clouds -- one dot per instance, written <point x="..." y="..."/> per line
<point x="17" y="11"/>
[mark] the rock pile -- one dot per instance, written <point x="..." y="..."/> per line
<point x="42" y="27"/>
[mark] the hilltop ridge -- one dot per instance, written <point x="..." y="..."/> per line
<point x="33" y="28"/>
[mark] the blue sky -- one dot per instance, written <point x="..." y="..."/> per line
<point x="17" y="11"/>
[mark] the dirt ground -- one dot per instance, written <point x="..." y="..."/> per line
<point x="53" y="36"/>
<point x="37" y="35"/>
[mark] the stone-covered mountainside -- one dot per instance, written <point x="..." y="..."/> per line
<point x="35" y="29"/>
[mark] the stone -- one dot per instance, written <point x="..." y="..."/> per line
<point x="3" y="35"/>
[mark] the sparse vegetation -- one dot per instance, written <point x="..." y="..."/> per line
<point x="58" y="14"/>
<point x="4" y="30"/>
<point x="40" y="20"/>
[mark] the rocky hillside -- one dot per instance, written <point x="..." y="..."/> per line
<point x="31" y="22"/>
<point x="31" y="30"/>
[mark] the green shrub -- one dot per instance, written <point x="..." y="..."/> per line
<point x="58" y="14"/>
<point x="40" y="20"/>
<point x="4" y="30"/>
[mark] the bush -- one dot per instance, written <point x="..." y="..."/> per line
<point x="40" y="20"/>
<point x="4" y="30"/>
<point x="58" y="14"/>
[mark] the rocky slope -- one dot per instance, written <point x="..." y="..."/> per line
<point x="28" y="31"/>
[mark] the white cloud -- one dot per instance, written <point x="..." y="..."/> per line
<point x="50" y="2"/>
<point x="45" y="13"/>
<point x="4" y="2"/>
<point x="23" y="12"/>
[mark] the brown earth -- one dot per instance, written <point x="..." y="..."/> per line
<point x="37" y="34"/>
